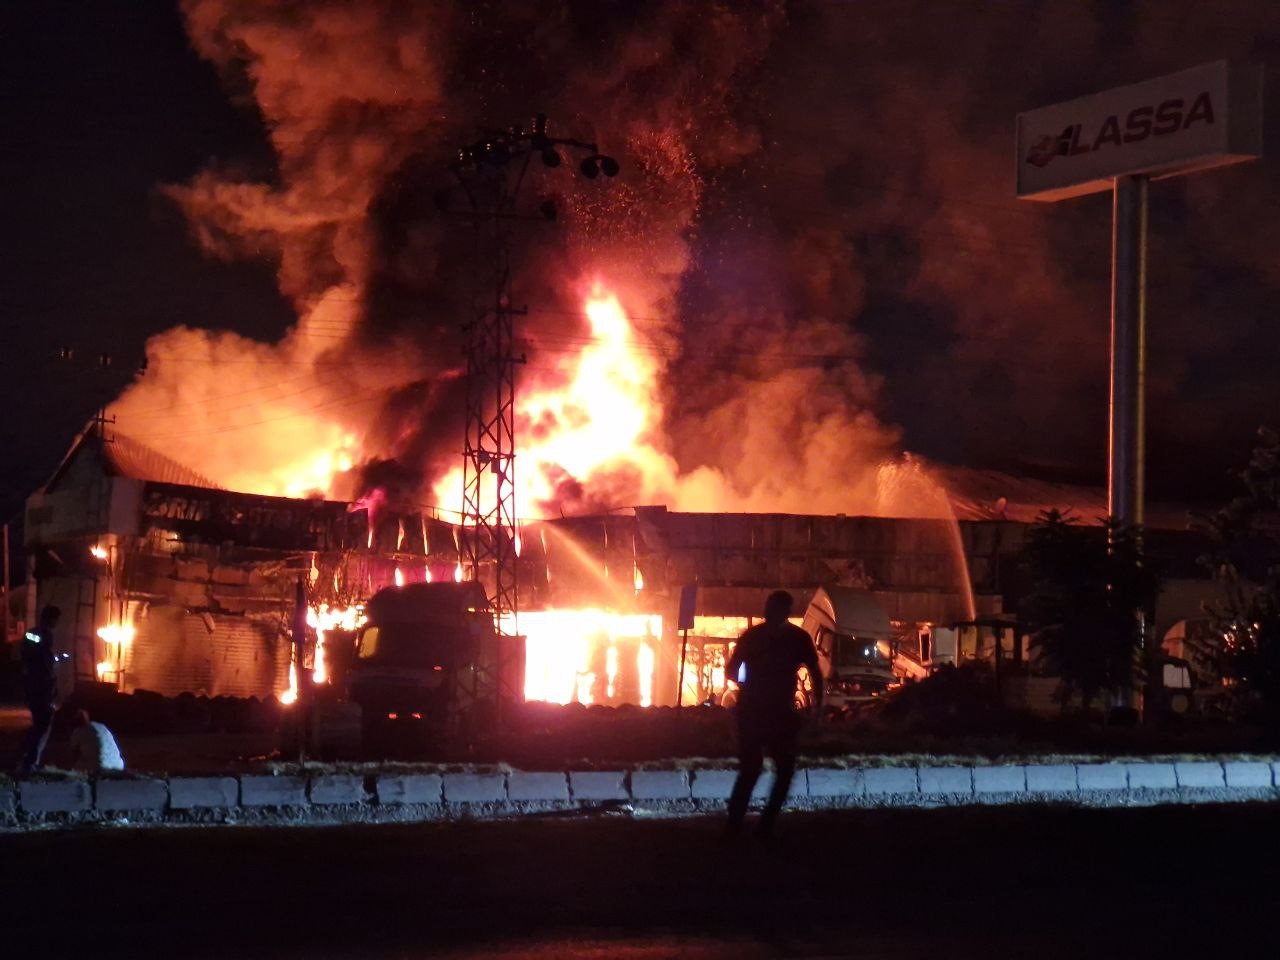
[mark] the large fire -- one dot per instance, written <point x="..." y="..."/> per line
<point x="323" y="619"/>
<point x="772" y="413"/>
<point x="590" y="656"/>
<point x="597" y="413"/>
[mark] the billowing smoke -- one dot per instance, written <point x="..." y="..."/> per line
<point x="813" y="237"/>
<point x="346" y="93"/>
<point x="362" y="103"/>
<point x="890" y="130"/>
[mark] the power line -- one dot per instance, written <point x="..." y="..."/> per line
<point x="231" y="428"/>
<point x="177" y="409"/>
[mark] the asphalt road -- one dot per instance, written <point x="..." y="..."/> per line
<point x="993" y="883"/>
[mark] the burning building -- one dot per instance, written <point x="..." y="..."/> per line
<point x="173" y="585"/>
<point x="695" y="409"/>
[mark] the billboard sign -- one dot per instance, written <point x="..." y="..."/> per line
<point x="688" y="606"/>
<point x="1207" y="116"/>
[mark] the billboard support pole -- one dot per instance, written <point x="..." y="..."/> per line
<point x="1126" y="454"/>
<point x="1126" y="447"/>
<point x="1196" y="119"/>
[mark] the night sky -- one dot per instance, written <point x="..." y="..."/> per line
<point x="869" y="182"/>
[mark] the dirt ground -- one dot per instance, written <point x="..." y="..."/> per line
<point x="542" y="736"/>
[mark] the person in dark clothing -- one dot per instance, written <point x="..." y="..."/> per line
<point x="40" y="686"/>
<point x="765" y="663"/>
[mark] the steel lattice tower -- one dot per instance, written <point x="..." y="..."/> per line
<point x="489" y="501"/>
<point x="492" y="172"/>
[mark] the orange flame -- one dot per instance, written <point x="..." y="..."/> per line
<point x="571" y="654"/>
<point x="598" y="419"/>
<point x="121" y="633"/>
<point x="322" y="619"/>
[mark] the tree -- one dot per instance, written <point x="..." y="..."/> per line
<point x="1245" y="562"/>
<point x="1090" y="585"/>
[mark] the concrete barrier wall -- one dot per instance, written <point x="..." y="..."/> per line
<point x="320" y="798"/>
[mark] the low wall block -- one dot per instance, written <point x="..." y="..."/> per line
<point x="718" y="785"/>
<point x="475" y="787"/>
<point x="999" y="779"/>
<point x="1152" y="776"/>
<point x="195" y="793"/>
<point x="1244" y="774"/>
<point x="660" y="785"/>
<point x="1102" y="776"/>
<point x="714" y="784"/>
<point x="410" y="788"/>
<point x="834" y="782"/>
<point x="55" y="796"/>
<point x="132" y="795"/>
<point x="946" y="780"/>
<point x="338" y="788"/>
<point x="1200" y="774"/>
<point x="599" y="785"/>
<point x="522" y="785"/>
<point x="878" y="781"/>
<point x="267" y="791"/>
<point x="1052" y="778"/>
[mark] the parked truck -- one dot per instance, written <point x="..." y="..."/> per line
<point x="855" y="642"/>
<point x="416" y="661"/>
<point x="856" y="649"/>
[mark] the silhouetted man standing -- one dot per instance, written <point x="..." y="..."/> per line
<point x="40" y="686"/>
<point x="765" y="663"/>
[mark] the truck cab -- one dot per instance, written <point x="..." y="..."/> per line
<point x="415" y="658"/>
<point x="855" y="644"/>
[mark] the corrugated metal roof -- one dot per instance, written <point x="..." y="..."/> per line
<point x="123" y="456"/>
<point x="992" y="495"/>
<point x="127" y="457"/>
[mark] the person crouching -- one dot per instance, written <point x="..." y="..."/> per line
<point x="93" y="748"/>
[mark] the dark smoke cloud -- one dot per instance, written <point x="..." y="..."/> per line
<point x="816" y="219"/>
<point x="890" y="130"/>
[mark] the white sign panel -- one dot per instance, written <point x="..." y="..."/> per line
<point x="1208" y="116"/>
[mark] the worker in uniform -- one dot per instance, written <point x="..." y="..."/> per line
<point x="765" y="664"/>
<point x="40" y="687"/>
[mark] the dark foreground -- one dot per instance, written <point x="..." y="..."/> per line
<point x="992" y="883"/>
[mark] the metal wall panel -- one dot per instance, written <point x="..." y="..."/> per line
<point x="175" y="652"/>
